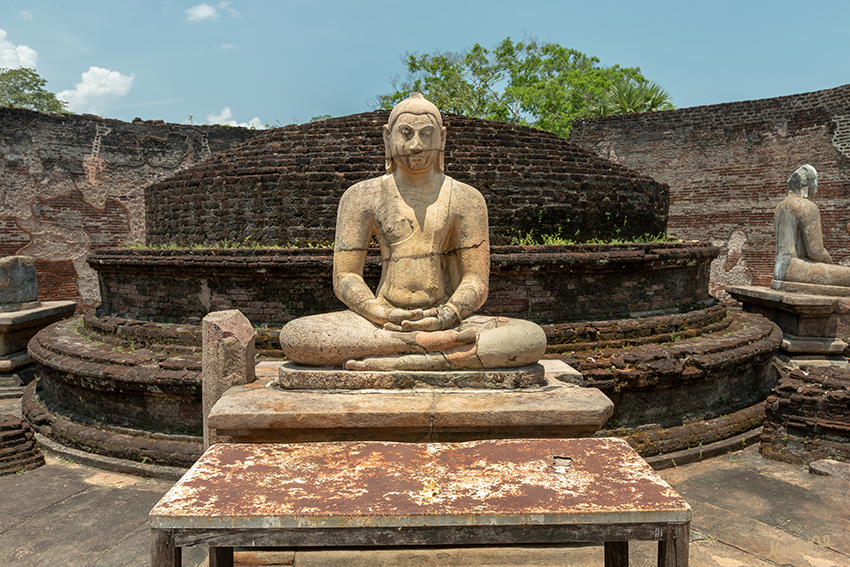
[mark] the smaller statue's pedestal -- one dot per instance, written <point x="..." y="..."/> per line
<point x="815" y="326"/>
<point x="18" y="324"/>
<point x="263" y="412"/>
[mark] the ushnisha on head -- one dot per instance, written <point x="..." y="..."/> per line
<point x="804" y="181"/>
<point x="415" y="134"/>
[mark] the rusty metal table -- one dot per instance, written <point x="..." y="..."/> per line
<point x="353" y="494"/>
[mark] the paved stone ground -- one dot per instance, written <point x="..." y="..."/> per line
<point x="748" y="512"/>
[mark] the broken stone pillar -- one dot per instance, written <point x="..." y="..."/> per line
<point x="228" y="359"/>
<point x="22" y="315"/>
<point x="18" y="284"/>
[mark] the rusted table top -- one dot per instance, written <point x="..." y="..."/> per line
<point x="384" y="484"/>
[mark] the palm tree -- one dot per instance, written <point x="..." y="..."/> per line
<point x="627" y="97"/>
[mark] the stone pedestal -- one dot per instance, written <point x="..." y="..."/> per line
<point x="263" y="412"/>
<point x="815" y="328"/>
<point x="16" y="329"/>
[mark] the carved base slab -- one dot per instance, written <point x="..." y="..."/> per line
<point x="812" y="345"/>
<point x="800" y="360"/>
<point x="14" y="361"/>
<point x="18" y="327"/>
<point x="811" y="289"/>
<point x="294" y="377"/>
<point x="7" y="307"/>
<point x="263" y="412"/>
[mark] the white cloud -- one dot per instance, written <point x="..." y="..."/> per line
<point x="227" y="46"/>
<point x="201" y="12"/>
<point x="225" y="117"/>
<point x="14" y="56"/>
<point x="26" y="15"/>
<point x="98" y="89"/>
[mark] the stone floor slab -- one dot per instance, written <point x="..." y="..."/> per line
<point x="27" y="494"/>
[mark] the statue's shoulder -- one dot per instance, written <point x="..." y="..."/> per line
<point x="465" y="192"/>
<point x="365" y="190"/>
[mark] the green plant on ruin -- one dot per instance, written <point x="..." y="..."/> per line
<point x="225" y="244"/>
<point x="529" y="239"/>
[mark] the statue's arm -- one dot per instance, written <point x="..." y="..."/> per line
<point x="813" y="235"/>
<point x="354" y="230"/>
<point x="472" y="238"/>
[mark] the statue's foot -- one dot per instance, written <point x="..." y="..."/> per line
<point x="427" y="361"/>
<point x="444" y="340"/>
<point x="462" y="356"/>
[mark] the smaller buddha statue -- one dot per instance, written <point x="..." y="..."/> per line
<point x="800" y="255"/>
<point x="433" y="235"/>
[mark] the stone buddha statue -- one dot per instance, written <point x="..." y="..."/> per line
<point x="434" y="241"/>
<point x="800" y="255"/>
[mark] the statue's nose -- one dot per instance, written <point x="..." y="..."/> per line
<point x="416" y="144"/>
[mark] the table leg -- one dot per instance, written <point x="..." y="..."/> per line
<point x="616" y="554"/>
<point x="673" y="550"/>
<point x="221" y="557"/>
<point x="163" y="551"/>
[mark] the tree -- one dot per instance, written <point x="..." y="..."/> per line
<point x="629" y="96"/>
<point x="536" y="84"/>
<point x="24" y="88"/>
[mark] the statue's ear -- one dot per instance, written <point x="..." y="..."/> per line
<point x="389" y="164"/>
<point x="442" y="161"/>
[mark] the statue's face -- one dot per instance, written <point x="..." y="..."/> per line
<point x="415" y="142"/>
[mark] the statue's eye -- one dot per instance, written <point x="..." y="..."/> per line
<point x="406" y="132"/>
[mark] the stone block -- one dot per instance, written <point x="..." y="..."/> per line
<point x="18" y="327"/>
<point x="18" y="284"/>
<point x="559" y="370"/>
<point x="228" y="359"/>
<point x="828" y="467"/>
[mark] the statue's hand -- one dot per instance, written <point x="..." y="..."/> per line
<point x="401" y="319"/>
<point x="433" y="320"/>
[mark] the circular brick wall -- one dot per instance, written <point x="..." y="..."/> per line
<point x="283" y="187"/>
<point x="545" y="284"/>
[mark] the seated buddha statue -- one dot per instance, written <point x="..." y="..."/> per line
<point x="433" y="237"/>
<point x="800" y="254"/>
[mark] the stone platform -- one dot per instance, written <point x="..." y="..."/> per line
<point x="815" y="328"/>
<point x="17" y="327"/>
<point x="263" y="412"/>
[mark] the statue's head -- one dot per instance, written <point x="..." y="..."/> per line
<point x="804" y="181"/>
<point x="414" y="137"/>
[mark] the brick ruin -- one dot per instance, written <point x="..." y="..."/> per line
<point x="808" y="415"/>
<point x="136" y="360"/>
<point x="726" y="165"/>
<point x="71" y="184"/>
<point x="283" y="187"/>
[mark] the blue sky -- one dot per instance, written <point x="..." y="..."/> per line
<point x="255" y="61"/>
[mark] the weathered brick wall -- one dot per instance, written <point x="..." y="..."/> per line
<point x="727" y="164"/>
<point x="283" y="188"/>
<point x="546" y="284"/>
<point x="74" y="183"/>
<point x="808" y="415"/>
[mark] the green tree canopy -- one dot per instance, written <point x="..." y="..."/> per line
<point x="24" y="88"/>
<point x="536" y="84"/>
